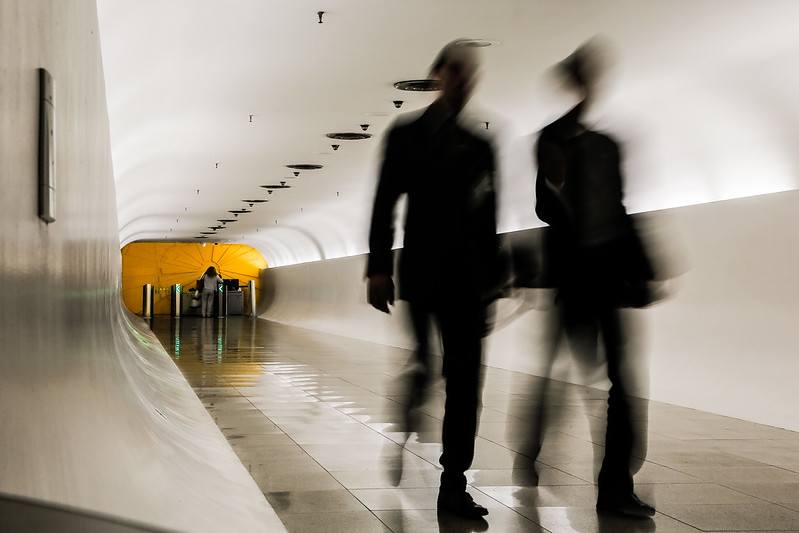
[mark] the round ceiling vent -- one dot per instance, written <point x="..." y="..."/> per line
<point x="349" y="136"/>
<point x="418" y="85"/>
<point x="479" y="43"/>
<point x="305" y="166"/>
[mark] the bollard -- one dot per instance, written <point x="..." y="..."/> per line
<point x="222" y="296"/>
<point x="147" y="301"/>
<point x="251" y="287"/>
<point x="175" y="300"/>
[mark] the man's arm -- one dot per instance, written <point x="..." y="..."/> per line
<point x="550" y="179"/>
<point x="380" y="267"/>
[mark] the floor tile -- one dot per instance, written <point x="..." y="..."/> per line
<point x="429" y="521"/>
<point x="738" y="517"/>
<point x="551" y="496"/>
<point x="586" y="520"/>
<point x="696" y="493"/>
<point x="313" y="501"/>
<point x="316" y="522"/>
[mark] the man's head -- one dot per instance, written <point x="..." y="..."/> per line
<point x="456" y="69"/>
<point x="583" y="69"/>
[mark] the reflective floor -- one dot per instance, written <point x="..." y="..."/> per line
<point x="311" y="417"/>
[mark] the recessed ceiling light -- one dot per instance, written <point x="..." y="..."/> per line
<point x="305" y="166"/>
<point x="349" y="136"/>
<point x="480" y="43"/>
<point x="276" y="186"/>
<point x="254" y="201"/>
<point x="418" y="85"/>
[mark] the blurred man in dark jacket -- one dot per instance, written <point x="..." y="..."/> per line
<point x="597" y="263"/>
<point x="449" y="264"/>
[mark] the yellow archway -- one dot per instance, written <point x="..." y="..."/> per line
<point x="165" y="264"/>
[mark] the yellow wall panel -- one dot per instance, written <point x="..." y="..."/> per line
<point x="164" y="264"/>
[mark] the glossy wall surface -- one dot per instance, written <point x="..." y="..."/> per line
<point x="724" y="340"/>
<point x="94" y="415"/>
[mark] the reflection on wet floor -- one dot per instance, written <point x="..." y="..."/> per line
<point x="311" y="416"/>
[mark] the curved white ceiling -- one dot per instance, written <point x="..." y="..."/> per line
<point x="701" y="94"/>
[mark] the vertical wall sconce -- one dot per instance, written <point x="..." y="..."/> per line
<point x="46" y="146"/>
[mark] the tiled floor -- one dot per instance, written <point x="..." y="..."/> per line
<point x="310" y="415"/>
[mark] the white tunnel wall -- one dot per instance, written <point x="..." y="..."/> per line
<point x="725" y="340"/>
<point x="94" y="414"/>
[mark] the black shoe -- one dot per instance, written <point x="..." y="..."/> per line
<point x="451" y="523"/>
<point x="460" y="504"/>
<point x="629" y="506"/>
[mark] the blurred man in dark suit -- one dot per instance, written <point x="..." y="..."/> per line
<point x="449" y="265"/>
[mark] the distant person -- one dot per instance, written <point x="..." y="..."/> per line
<point x="208" y="286"/>
<point x="449" y="265"/>
<point x="597" y="264"/>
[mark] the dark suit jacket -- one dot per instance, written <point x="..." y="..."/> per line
<point x="450" y="249"/>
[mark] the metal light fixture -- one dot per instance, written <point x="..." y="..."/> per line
<point x="418" y="85"/>
<point x="348" y="136"/>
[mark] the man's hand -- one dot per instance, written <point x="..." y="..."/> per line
<point x="380" y="291"/>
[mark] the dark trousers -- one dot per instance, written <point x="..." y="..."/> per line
<point x="625" y="435"/>
<point x="462" y="328"/>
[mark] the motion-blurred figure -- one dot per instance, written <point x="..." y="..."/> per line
<point x="449" y="265"/>
<point x="596" y="261"/>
